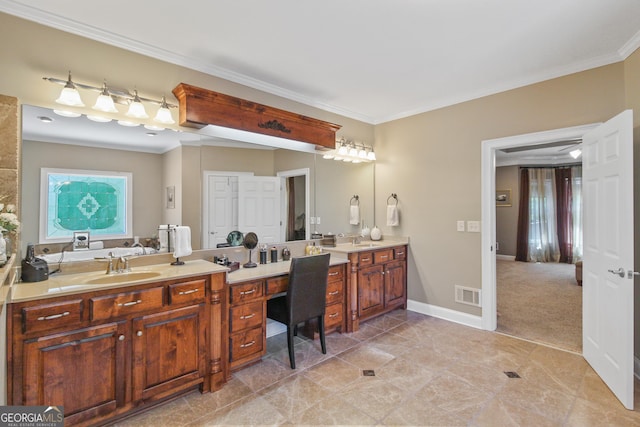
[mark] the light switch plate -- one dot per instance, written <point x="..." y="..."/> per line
<point x="460" y="225"/>
<point x="473" y="226"/>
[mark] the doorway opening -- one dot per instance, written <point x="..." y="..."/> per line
<point x="488" y="194"/>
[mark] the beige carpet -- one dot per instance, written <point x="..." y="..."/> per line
<point x="541" y="302"/>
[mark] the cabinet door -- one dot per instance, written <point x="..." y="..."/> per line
<point x="84" y="370"/>
<point x="370" y="291"/>
<point x="394" y="283"/>
<point x="169" y="351"/>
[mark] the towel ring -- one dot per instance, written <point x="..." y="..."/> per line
<point x="356" y="198"/>
<point x="393" y="196"/>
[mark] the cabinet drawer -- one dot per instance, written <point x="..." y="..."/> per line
<point x="50" y="316"/>
<point x="365" y="258"/>
<point x="244" y="344"/>
<point x="187" y="292"/>
<point x="400" y="252"/>
<point x="246" y="316"/>
<point x="380" y="257"/>
<point x="333" y="316"/>
<point x="246" y="292"/>
<point x="103" y="308"/>
<point x="336" y="273"/>
<point x="277" y="285"/>
<point x="334" y="292"/>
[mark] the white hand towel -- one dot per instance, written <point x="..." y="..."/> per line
<point x="182" y="241"/>
<point x="163" y="237"/>
<point x="354" y="215"/>
<point x="392" y="215"/>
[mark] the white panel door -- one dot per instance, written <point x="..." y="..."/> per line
<point x="608" y="254"/>
<point x="222" y="212"/>
<point x="259" y="207"/>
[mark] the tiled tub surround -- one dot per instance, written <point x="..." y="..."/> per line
<point x="427" y="372"/>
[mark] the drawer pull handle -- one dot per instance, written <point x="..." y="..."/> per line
<point x="130" y="303"/>
<point x="139" y="333"/>
<point x="121" y="337"/>
<point x="335" y="273"/>
<point x="249" y="344"/>
<point x="248" y="316"/>
<point x="252" y="291"/>
<point x="334" y="293"/>
<point x="400" y="253"/>
<point x="333" y="316"/>
<point x="54" y="316"/>
<point x="191" y="291"/>
<point x="384" y="256"/>
<point x="366" y="259"/>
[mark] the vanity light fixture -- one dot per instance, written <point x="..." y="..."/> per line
<point x="108" y="97"/>
<point x="104" y="101"/>
<point x="70" y="95"/>
<point x="350" y="151"/>
<point x="136" y="109"/>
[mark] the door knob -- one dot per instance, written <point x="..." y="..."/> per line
<point x="632" y="273"/>
<point x="620" y="272"/>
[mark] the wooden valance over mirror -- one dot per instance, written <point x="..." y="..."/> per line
<point x="200" y="107"/>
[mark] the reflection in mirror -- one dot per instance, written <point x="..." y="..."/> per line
<point x="164" y="158"/>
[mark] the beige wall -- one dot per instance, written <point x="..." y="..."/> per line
<point x="507" y="178"/>
<point x="146" y="169"/>
<point x="432" y="161"/>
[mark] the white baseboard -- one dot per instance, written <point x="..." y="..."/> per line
<point x="506" y="257"/>
<point x="445" y="314"/>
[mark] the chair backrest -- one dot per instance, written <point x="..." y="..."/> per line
<point x="307" y="292"/>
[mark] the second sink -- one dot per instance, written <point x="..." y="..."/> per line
<point x="123" y="277"/>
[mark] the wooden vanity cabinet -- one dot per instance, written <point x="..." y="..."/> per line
<point x="380" y="283"/>
<point x="247" y="323"/>
<point x="105" y="353"/>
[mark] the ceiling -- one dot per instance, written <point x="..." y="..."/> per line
<point x="371" y="60"/>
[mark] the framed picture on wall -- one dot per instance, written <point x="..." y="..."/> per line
<point x="171" y="197"/>
<point x="503" y="198"/>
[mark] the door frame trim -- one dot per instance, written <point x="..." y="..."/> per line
<point x="488" y="206"/>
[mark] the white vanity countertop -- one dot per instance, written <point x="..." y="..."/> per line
<point x="366" y="245"/>
<point x="262" y="271"/>
<point x="58" y="285"/>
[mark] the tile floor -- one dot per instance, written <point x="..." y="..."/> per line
<point x="428" y="372"/>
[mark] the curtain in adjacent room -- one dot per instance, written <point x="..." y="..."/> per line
<point x="543" y="234"/>
<point x="550" y="215"/>
<point x="291" y="209"/>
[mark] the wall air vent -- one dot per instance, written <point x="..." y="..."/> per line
<point x="469" y="296"/>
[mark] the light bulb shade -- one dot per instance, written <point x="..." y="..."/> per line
<point x="136" y="109"/>
<point x="371" y="156"/>
<point x="70" y="96"/>
<point x="343" y="150"/>
<point x="575" y="153"/>
<point x="353" y="151"/>
<point x="329" y="155"/>
<point x="362" y="153"/>
<point x="164" y="116"/>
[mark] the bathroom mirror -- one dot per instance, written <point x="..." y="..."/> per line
<point x="157" y="166"/>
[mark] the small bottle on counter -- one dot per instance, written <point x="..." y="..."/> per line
<point x="274" y="254"/>
<point x="263" y="254"/>
<point x="286" y="254"/>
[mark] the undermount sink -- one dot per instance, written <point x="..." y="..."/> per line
<point x="123" y="277"/>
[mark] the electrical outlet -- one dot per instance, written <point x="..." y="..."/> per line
<point x="312" y="220"/>
<point x="460" y="225"/>
<point x="318" y="220"/>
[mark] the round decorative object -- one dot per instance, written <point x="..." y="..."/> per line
<point x="235" y="238"/>
<point x="250" y="241"/>
<point x="376" y="234"/>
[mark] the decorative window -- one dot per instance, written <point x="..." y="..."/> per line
<point x="80" y="200"/>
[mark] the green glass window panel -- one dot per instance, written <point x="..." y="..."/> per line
<point x="86" y="205"/>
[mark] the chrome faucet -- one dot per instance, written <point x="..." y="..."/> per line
<point x="110" y="263"/>
<point x="356" y="239"/>
<point x="135" y="245"/>
<point x="123" y="265"/>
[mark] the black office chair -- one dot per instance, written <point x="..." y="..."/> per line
<point x="305" y="299"/>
